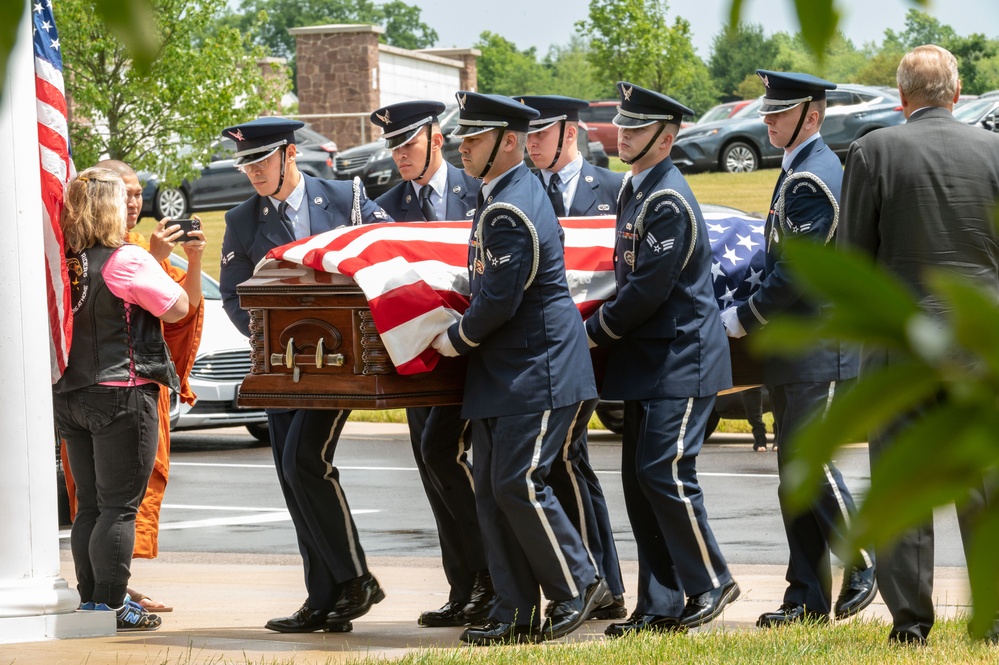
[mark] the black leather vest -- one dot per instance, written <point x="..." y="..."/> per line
<point x="106" y="343"/>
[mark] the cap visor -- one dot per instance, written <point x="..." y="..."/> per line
<point x="769" y="107"/>
<point x="253" y="157"/>
<point x="625" y="121"/>
<point x="401" y="139"/>
<point x="470" y="130"/>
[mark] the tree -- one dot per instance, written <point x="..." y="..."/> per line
<point x="503" y="69"/>
<point x="737" y="53"/>
<point x="403" y="27"/>
<point x="632" y="40"/>
<point x="572" y="74"/>
<point x="167" y="120"/>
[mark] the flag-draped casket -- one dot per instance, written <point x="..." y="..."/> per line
<point x="344" y="319"/>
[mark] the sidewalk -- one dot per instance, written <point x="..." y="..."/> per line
<point x="221" y="603"/>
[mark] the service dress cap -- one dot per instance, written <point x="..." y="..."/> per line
<point x="259" y="139"/>
<point x="640" y="107"/>
<point x="785" y="90"/>
<point x="552" y="108"/>
<point x="402" y="122"/>
<point x="479" y="113"/>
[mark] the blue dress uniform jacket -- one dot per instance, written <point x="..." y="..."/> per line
<point x="522" y="333"/>
<point x="663" y="330"/>
<point x="805" y="205"/>
<point x="596" y="192"/>
<point x="254" y="227"/>
<point x="401" y="203"/>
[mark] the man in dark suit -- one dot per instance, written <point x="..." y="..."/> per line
<point x="434" y="190"/>
<point x="804" y="205"/>
<point x="667" y="358"/>
<point x="920" y="196"/>
<point x="576" y="188"/>
<point x="528" y="372"/>
<point x="290" y="205"/>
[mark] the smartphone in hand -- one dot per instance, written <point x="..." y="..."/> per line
<point x="187" y="225"/>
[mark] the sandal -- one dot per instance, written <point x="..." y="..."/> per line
<point x="148" y="603"/>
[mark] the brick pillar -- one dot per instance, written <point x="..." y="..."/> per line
<point x="468" y="57"/>
<point x="276" y="73"/>
<point x="338" y="73"/>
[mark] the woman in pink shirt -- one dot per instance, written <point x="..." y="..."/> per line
<point x="105" y="402"/>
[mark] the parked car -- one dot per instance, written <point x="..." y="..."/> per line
<point x="220" y="186"/>
<point x="372" y="162"/>
<point x="599" y="118"/>
<point x="981" y="111"/>
<point x="740" y="143"/>
<point x="722" y="111"/>
<point x="223" y="360"/>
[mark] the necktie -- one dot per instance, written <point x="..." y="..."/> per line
<point x="283" y="214"/>
<point x="429" y="212"/>
<point x="555" y="196"/>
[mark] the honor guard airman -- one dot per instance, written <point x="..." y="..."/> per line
<point x="577" y="188"/>
<point x="289" y="205"/>
<point x="805" y="205"/>
<point x="432" y="190"/>
<point x="528" y="372"/>
<point x="667" y="358"/>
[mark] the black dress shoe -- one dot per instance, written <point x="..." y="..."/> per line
<point x="704" y="607"/>
<point x="499" y="632"/>
<point x="357" y="597"/>
<point x="609" y="607"/>
<point x="789" y="613"/>
<point x="450" y="615"/>
<point x="641" y="623"/>
<point x="308" y="620"/>
<point x="858" y="591"/>
<point x="568" y="615"/>
<point x="481" y="599"/>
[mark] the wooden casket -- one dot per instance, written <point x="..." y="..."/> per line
<point x="313" y="344"/>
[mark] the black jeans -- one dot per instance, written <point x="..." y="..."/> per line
<point x="111" y="436"/>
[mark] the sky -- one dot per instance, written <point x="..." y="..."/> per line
<point x="543" y="23"/>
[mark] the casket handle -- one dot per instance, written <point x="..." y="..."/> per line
<point x="322" y="359"/>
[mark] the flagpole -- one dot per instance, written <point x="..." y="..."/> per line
<point x="36" y="603"/>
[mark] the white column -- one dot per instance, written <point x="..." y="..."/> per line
<point x="35" y="601"/>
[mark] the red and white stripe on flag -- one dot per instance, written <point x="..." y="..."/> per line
<point x="415" y="275"/>
<point x="56" y="170"/>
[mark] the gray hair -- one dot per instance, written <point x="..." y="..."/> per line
<point x="928" y="75"/>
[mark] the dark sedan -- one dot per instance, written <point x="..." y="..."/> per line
<point x="372" y="162"/>
<point x="220" y="186"/>
<point x="740" y="144"/>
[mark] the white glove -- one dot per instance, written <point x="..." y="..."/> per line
<point x="442" y="343"/>
<point x="733" y="327"/>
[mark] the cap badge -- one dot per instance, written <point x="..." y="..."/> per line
<point x="627" y="93"/>
<point x="384" y="118"/>
<point x="462" y="100"/>
<point x="766" y="81"/>
<point x="238" y="135"/>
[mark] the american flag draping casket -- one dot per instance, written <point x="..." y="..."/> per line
<point x="344" y="319"/>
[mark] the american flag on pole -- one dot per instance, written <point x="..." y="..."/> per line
<point x="415" y="274"/>
<point x="56" y="170"/>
